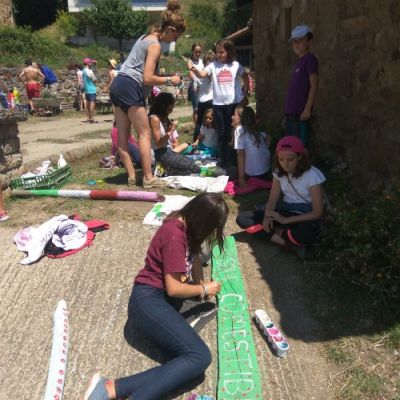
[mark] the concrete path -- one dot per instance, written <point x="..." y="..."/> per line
<point x="97" y="281"/>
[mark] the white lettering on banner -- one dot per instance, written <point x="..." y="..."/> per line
<point x="228" y="346"/>
<point x="234" y="386"/>
<point x="238" y="320"/>
<point x="232" y="334"/>
<point x="232" y="306"/>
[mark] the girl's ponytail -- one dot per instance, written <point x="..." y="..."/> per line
<point x="248" y="121"/>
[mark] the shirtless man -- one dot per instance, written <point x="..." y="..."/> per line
<point x="30" y="77"/>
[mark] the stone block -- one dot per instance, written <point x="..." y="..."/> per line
<point x="9" y="130"/>
<point x="10" y="145"/>
<point x="11" y="162"/>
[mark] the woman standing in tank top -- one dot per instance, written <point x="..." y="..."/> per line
<point x="129" y="90"/>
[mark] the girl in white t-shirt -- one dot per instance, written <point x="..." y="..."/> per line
<point x="226" y="75"/>
<point x="294" y="222"/>
<point x="207" y="141"/>
<point x="193" y="94"/>
<point x="204" y="88"/>
<point x="252" y="146"/>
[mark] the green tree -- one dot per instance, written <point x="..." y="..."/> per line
<point x="204" y="22"/>
<point x="235" y="18"/>
<point x="67" y="24"/>
<point x="116" y="19"/>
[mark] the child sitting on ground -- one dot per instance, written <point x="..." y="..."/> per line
<point x="295" y="221"/>
<point x="207" y="142"/>
<point x="3" y="212"/>
<point x="162" y="131"/>
<point x="173" y="142"/>
<point x="252" y="146"/>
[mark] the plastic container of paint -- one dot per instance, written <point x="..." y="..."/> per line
<point x="272" y="333"/>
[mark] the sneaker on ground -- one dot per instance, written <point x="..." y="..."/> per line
<point x="97" y="389"/>
<point x="153" y="183"/>
<point x="198" y="314"/>
<point x="3" y="216"/>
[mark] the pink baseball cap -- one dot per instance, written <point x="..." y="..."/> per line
<point x="290" y="143"/>
<point x="88" y="61"/>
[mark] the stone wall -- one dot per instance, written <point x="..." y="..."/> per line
<point x="6" y="17"/>
<point x="67" y="81"/>
<point x="357" y="113"/>
<point x="10" y="154"/>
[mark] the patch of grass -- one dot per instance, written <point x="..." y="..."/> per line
<point x="185" y="119"/>
<point x="362" y="385"/>
<point x="338" y="354"/>
<point x="392" y="340"/>
<point x="101" y="133"/>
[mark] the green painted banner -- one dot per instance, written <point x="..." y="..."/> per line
<point x="238" y="372"/>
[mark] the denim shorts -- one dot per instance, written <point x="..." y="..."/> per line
<point x="90" y="97"/>
<point x="193" y="97"/>
<point x="125" y="92"/>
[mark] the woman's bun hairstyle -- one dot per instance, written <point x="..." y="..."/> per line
<point x="173" y="5"/>
<point x="173" y="17"/>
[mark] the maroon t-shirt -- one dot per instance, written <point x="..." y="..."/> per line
<point x="168" y="253"/>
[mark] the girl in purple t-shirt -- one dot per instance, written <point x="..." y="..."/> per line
<point x="303" y="85"/>
<point x="171" y="271"/>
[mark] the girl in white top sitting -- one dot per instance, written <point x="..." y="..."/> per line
<point x="295" y="221"/>
<point x="207" y="142"/>
<point x="163" y="131"/>
<point x="252" y="146"/>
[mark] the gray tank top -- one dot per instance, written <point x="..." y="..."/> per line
<point x="134" y="64"/>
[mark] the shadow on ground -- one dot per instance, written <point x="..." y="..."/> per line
<point x="315" y="305"/>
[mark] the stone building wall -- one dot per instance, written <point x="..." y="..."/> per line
<point x="357" y="112"/>
<point x="6" y="17"/>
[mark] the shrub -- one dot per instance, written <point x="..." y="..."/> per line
<point x="18" y="44"/>
<point x="364" y="242"/>
<point x="67" y="24"/>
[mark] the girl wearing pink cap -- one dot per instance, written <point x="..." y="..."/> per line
<point x="295" y="220"/>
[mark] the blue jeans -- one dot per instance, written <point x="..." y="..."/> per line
<point x="135" y="154"/>
<point x="159" y="321"/>
<point x="223" y="122"/>
<point x="296" y="127"/>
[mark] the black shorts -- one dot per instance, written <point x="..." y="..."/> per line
<point x="125" y="92"/>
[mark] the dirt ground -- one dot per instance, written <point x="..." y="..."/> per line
<point x="43" y="137"/>
<point x="96" y="285"/>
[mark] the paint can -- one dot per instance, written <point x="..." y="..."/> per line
<point x="272" y="333"/>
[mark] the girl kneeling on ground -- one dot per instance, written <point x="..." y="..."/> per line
<point x="172" y="270"/>
<point x="294" y="222"/>
<point x="207" y="141"/>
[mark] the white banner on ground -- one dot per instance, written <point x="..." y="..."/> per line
<point x="59" y="353"/>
